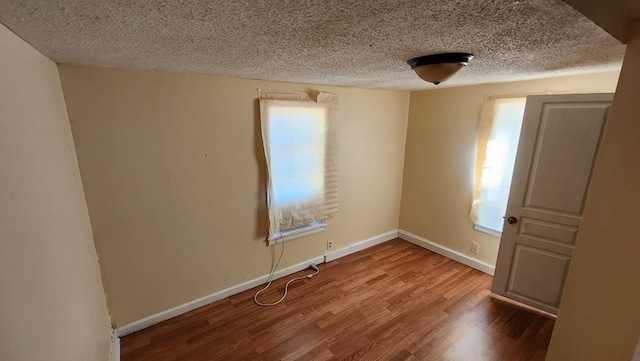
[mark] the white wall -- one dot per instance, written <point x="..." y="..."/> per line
<point x="174" y="173"/>
<point x="440" y="157"/>
<point x="52" y="304"/>
<point x="599" y="316"/>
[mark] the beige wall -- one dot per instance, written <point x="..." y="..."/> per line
<point x="441" y="152"/>
<point x="52" y="304"/>
<point x="173" y="170"/>
<point x="599" y="317"/>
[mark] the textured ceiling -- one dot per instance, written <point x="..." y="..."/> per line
<point x="334" y="42"/>
<point x="611" y="15"/>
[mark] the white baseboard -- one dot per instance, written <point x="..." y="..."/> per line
<point x="381" y="238"/>
<point x="115" y="347"/>
<point x="447" y="252"/>
<point x="189" y="306"/>
<point x="203" y="301"/>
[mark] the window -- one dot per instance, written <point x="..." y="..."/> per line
<point x="498" y="138"/>
<point x="300" y="144"/>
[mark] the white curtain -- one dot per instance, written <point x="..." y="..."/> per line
<point x="300" y="138"/>
<point x="499" y="133"/>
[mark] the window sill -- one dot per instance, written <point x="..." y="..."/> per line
<point x="492" y="232"/>
<point x="298" y="232"/>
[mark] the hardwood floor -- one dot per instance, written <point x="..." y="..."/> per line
<point x="394" y="301"/>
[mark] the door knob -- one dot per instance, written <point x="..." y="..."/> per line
<point x="512" y="220"/>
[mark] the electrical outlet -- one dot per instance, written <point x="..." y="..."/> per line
<point x="475" y="247"/>
<point x="329" y="244"/>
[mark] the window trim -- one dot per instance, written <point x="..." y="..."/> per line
<point x="490" y="231"/>
<point x="298" y="232"/>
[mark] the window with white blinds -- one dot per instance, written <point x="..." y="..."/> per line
<point x="499" y="134"/>
<point x="300" y="144"/>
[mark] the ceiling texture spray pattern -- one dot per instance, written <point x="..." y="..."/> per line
<point x="332" y="42"/>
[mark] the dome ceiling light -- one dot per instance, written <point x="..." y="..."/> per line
<point x="437" y="68"/>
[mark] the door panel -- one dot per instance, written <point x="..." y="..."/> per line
<point x="563" y="154"/>
<point x="547" y="230"/>
<point x="557" y="151"/>
<point x="543" y="286"/>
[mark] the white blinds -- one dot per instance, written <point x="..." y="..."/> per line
<point x="498" y="138"/>
<point x="300" y="138"/>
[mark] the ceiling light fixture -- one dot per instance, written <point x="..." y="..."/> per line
<point x="437" y="68"/>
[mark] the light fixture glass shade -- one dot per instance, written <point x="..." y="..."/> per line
<point x="437" y="73"/>
<point x="437" y="68"/>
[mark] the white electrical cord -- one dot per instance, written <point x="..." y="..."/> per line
<point x="286" y="287"/>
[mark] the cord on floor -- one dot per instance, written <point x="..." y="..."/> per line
<point x="286" y="287"/>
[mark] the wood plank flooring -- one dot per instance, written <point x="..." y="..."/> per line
<point x="391" y="302"/>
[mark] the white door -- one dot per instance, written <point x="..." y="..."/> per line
<point x="558" y="146"/>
